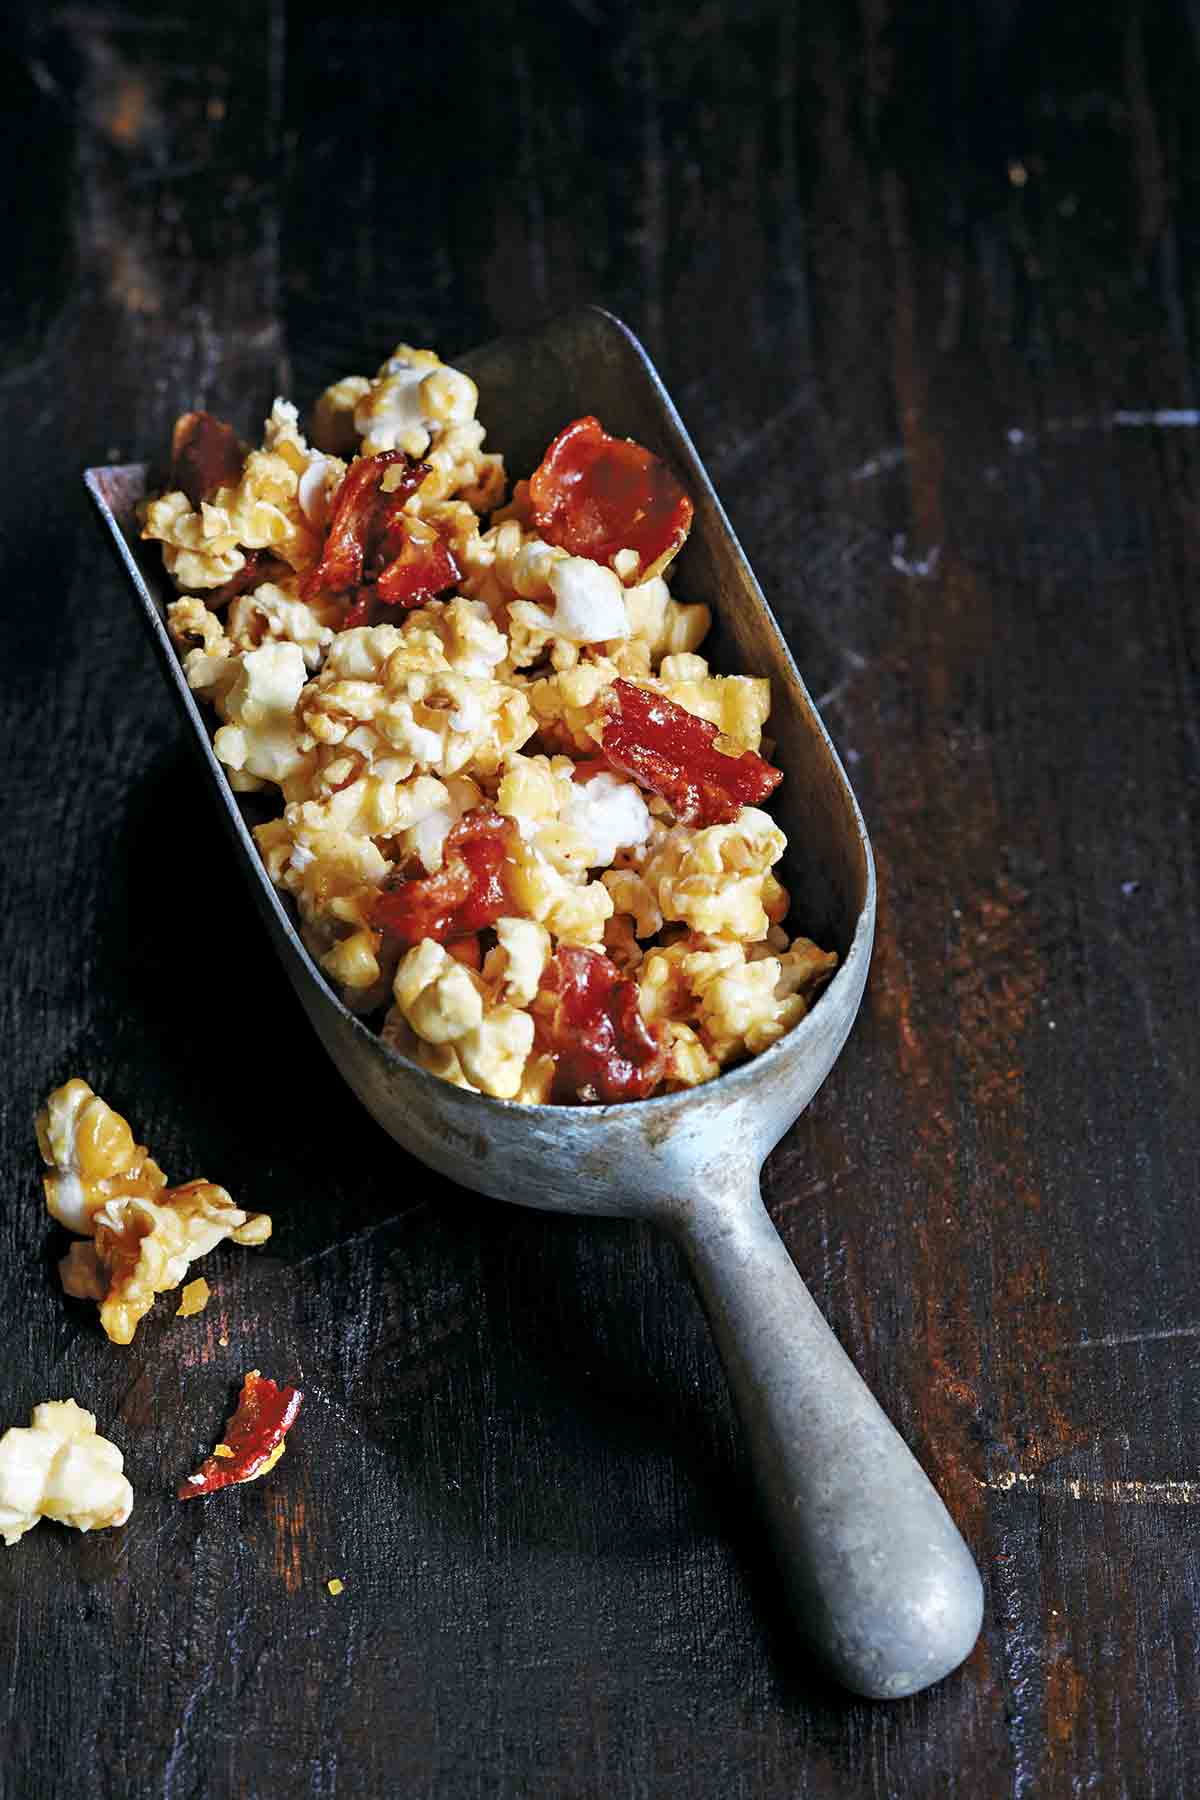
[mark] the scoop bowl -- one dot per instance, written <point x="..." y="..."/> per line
<point x="883" y="1587"/>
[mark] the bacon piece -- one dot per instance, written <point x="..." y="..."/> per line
<point x="360" y="612"/>
<point x="594" y="495"/>
<point x="254" y="1437"/>
<point x="355" y="518"/>
<point x="375" y="546"/>
<point x="603" y="1048"/>
<point x="670" y="751"/>
<point x="422" y="569"/>
<point x="205" y="456"/>
<point x="467" y="892"/>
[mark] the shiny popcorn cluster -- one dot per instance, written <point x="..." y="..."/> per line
<point x="135" y="1237"/>
<point x="520" y="814"/>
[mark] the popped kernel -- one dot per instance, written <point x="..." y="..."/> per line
<point x="59" y="1467"/>
<point x="137" y="1236"/>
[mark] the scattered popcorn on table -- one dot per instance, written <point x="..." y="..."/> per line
<point x="518" y="810"/>
<point x="138" y="1235"/>
<point x="58" y="1467"/>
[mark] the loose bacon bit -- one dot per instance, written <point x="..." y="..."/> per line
<point x="603" y="1048"/>
<point x="468" y="891"/>
<point x="375" y="546"/>
<point x="594" y="495"/>
<point x="253" y="1441"/>
<point x="205" y="456"/>
<point x="670" y="751"/>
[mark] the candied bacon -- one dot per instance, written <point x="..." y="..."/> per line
<point x="465" y="894"/>
<point x="670" y="751"/>
<point x="254" y="1437"/>
<point x="604" y="1050"/>
<point x="205" y="456"/>
<point x="360" y="611"/>
<point x="359" y="512"/>
<point x="423" y="568"/>
<point x="594" y="495"/>
<point x="466" y="950"/>
<point x="373" y="545"/>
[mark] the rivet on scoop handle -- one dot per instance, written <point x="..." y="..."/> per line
<point x="885" y="1589"/>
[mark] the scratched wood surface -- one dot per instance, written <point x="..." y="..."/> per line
<point x="923" y="282"/>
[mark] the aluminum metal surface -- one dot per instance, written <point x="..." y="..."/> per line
<point x="885" y="1589"/>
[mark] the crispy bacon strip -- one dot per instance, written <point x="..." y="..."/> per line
<point x="670" y="751"/>
<point x="254" y="1437"/>
<point x="423" y="567"/>
<point x="603" y="1048"/>
<point x="373" y="545"/>
<point x="467" y="892"/>
<point x="594" y="495"/>
<point x="355" y="518"/>
<point x="205" y="456"/>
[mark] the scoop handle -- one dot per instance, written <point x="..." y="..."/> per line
<point x="884" y="1588"/>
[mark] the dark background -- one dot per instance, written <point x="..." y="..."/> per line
<point x="923" y="283"/>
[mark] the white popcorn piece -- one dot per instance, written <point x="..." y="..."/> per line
<point x="519" y="959"/>
<point x="589" y="602"/>
<point x="58" y="1467"/>
<point x="437" y="995"/>
<point x="413" y="395"/>
<point x="263" y="736"/>
<point x="610" y="813"/>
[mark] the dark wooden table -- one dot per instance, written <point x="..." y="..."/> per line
<point x="923" y="282"/>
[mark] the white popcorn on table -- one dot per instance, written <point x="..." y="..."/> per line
<point x="58" y="1467"/>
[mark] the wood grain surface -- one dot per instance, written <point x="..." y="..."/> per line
<point x="923" y="283"/>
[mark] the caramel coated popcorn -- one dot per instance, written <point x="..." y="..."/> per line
<point x="138" y="1237"/>
<point x="520" y="817"/>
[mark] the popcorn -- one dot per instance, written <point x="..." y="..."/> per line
<point x="143" y="1234"/>
<point x="206" y="545"/>
<point x="665" y="625"/>
<point x="516" y="965"/>
<point x="143" y="1248"/>
<point x="92" y="1157"/>
<point x="610" y="814"/>
<point x="715" y="879"/>
<point x="548" y="684"/>
<point x="482" y="1046"/>
<point x="418" y="404"/>
<point x="263" y="736"/>
<point x="737" y="705"/>
<point x="58" y="1467"/>
<point x="271" y="611"/>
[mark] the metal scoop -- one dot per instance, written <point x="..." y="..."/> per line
<point x="884" y="1589"/>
